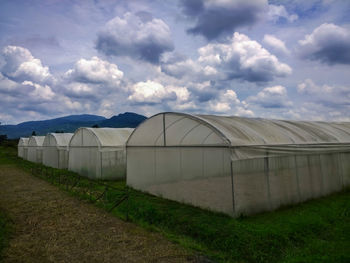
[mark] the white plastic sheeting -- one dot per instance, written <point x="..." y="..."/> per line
<point x="99" y="153"/>
<point x="55" y="150"/>
<point x="238" y="165"/>
<point x="23" y="147"/>
<point x="35" y="149"/>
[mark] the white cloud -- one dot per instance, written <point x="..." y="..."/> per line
<point x="190" y="70"/>
<point x="271" y="97"/>
<point x="43" y="92"/>
<point x="93" y="79"/>
<point x="328" y="43"/>
<point x="241" y="58"/>
<point x="148" y="92"/>
<point x="231" y="96"/>
<point x="36" y="93"/>
<point x="20" y="66"/>
<point x="277" y="12"/>
<point x="82" y="90"/>
<point x="138" y="36"/>
<point x="276" y="44"/>
<point x="227" y="103"/>
<point x="219" y="107"/>
<point x="7" y="85"/>
<point x="151" y="92"/>
<point x="330" y="96"/>
<point x="95" y="71"/>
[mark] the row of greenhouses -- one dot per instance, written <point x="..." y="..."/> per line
<point x="97" y="153"/>
<point x="227" y="164"/>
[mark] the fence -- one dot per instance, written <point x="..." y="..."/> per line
<point x="105" y="195"/>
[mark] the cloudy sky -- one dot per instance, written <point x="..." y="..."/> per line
<point x="255" y="58"/>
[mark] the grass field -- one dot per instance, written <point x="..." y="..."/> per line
<point x="5" y="231"/>
<point x="316" y="231"/>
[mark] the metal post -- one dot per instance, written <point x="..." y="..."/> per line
<point x="127" y="203"/>
<point x="297" y="177"/>
<point x="164" y="137"/>
<point x="267" y="169"/>
<point x="233" y="191"/>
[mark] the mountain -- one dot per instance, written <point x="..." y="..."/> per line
<point x="83" y="118"/>
<point x="70" y="124"/>
<point x="127" y="119"/>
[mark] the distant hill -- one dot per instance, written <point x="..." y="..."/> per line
<point x="127" y="119"/>
<point x="70" y="124"/>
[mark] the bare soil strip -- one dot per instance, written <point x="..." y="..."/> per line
<point x="51" y="226"/>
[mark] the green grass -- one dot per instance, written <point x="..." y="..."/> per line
<point x="316" y="231"/>
<point x="5" y="231"/>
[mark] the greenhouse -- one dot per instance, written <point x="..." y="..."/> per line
<point x="55" y="150"/>
<point x="35" y="149"/>
<point x="99" y="153"/>
<point x="238" y="165"/>
<point x="23" y="147"/>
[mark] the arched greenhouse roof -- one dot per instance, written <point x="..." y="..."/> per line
<point x="195" y="130"/>
<point x="57" y="139"/>
<point x="101" y="137"/>
<point x="23" y="141"/>
<point x="36" y="141"/>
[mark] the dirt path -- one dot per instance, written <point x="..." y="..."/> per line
<point x="51" y="226"/>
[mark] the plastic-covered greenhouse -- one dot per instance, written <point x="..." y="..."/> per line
<point x="35" y="149"/>
<point x="23" y="147"/>
<point x="238" y="165"/>
<point x="55" y="150"/>
<point x="99" y="153"/>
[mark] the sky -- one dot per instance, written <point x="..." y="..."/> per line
<point x="253" y="58"/>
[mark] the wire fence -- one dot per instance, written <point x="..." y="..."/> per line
<point x="101" y="193"/>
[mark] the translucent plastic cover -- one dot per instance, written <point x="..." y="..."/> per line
<point x="23" y="147"/>
<point x="35" y="149"/>
<point x="55" y="150"/>
<point x="99" y="153"/>
<point x="238" y="165"/>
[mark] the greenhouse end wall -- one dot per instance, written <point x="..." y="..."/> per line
<point x="20" y="150"/>
<point x="25" y="153"/>
<point x="55" y="157"/>
<point x="98" y="164"/>
<point x="85" y="161"/>
<point x="99" y="153"/>
<point x="35" y="154"/>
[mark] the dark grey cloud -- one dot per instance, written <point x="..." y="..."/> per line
<point x="328" y="43"/>
<point x="204" y="93"/>
<point x="216" y="18"/>
<point x="192" y="7"/>
<point x="138" y="36"/>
